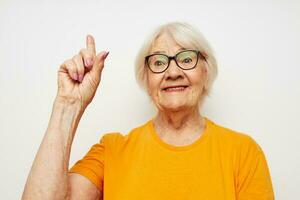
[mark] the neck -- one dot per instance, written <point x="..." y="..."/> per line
<point x="179" y="122"/>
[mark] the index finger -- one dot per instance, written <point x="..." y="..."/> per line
<point x="90" y="44"/>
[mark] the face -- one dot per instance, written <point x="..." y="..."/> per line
<point x="175" y="89"/>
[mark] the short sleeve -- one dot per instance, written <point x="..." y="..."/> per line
<point x="253" y="180"/>
<point x="91" y="165"/>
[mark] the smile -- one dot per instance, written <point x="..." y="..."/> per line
<point x="175" y="89"/>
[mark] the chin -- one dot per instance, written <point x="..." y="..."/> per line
<point x="174" y="106"/>
<point x="174" y="103"/>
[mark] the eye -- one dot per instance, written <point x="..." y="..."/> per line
<point x="158" y="63"/>
<point x="187" y="60"/>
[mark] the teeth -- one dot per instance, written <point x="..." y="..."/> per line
<point x="175" y="89"/>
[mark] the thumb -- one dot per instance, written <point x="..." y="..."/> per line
<point x="98" y="65"/>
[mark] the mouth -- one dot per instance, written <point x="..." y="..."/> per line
<point x="178" y="88"/>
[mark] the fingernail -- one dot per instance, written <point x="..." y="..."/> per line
<point x="88" y="62"/>
<point x="80" y="78"/>
<point x="106" y="55"/>
<point x="75" y="76"/>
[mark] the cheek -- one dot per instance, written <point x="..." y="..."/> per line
<point x="153" y="81"/>
<point x="198" y="79"/>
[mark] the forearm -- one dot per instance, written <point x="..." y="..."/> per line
<point x="48" y="178"/>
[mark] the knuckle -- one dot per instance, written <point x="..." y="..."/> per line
<point x="70" y="65"/>
<point x="77" y="59"/>
<point x="82" y="51"/>
<point x="64" y="65"/>
<point x="80" y="69"/>
<point x="85" y="53"/>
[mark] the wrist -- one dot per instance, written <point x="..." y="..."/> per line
<point x="65" y="115"/>
<point x="72" y="103"/>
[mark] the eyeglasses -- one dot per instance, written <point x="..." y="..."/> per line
<point x="185" y="60"/>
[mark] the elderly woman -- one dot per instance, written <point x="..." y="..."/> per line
<point x="178" y="154"/>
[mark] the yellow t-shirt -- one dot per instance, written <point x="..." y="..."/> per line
<point x="221" y="164"/>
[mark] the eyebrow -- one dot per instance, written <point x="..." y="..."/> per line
<point x="182" y="48"/>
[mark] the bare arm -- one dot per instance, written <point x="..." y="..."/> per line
<point x="48" y="176"/>
<point x="77" y="84"/>
<point x="83" y="189"/>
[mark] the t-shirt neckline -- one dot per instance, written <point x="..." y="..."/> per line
<point x="199" y="140"/>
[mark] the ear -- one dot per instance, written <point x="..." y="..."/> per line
<point x="147" y="83"/>
<point x="205" y="67"/>
<point x="205" y="74"/>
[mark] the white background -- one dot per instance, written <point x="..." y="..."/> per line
<point x="257" y="91"/>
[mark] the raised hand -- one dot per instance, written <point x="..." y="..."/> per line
<point x="79" y="77"/>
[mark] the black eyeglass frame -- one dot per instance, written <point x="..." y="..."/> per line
<point x="173" y="58"/>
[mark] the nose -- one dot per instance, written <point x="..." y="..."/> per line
<point x="173" y="72"/>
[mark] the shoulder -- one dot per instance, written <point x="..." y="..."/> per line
<point x="234" y="138"/>
<point x="118" y="138"/>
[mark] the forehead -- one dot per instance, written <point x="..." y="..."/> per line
<point x="165" y="43"/>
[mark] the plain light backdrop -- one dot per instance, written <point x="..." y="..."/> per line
<point x="257" y="91"/>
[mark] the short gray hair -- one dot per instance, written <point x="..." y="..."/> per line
<point x="186" y="36"/>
